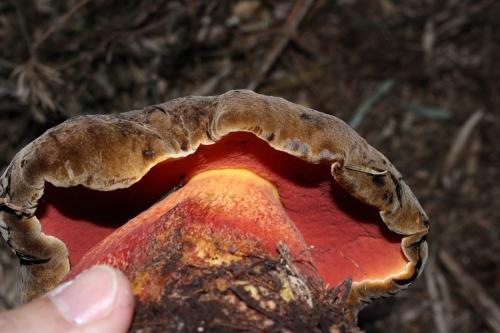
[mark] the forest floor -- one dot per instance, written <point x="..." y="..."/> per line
<point x="419" y="80"/>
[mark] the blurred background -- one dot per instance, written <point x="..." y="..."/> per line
<point x="419" y="79"/>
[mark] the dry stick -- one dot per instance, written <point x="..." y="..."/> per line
<point x="6" y="203"/>
<point x="60" y="22"/>
<point x="436" y="303"/>
<point x="103" y="45"/>
<point x="296" y="16"/>
<point x="461" y="140"/>
<point x="209" y="86"/>
<point x="453" y="21"/>
<point x="485" y="307"/>
<point x="300" y="73"/>
<point x="22" y="25"/>
<point x="444" y="291"/>
<point x="368" y="103"/>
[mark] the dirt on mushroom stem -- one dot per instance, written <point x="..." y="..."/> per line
<point x="255" y="294"/>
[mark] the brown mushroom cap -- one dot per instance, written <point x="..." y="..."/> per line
<point x="134" y="158"/>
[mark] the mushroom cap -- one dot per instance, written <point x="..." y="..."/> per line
<point x="110" y="152"/>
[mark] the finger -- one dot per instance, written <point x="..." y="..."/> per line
<point x="98" y="300"/>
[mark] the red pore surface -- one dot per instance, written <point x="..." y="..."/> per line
<point x="347" y="236"/>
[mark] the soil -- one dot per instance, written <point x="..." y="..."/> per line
<point x="248" y="296"/>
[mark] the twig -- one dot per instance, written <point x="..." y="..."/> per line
<point x="452" y="21"/>
<point x="341" y="291"/>
<point x="444" y="291"/>
<point x="287" y="258"/>
<point x="302" y="76"/>
<point x="485" y="307"/>
<point x="461" y="140"/>
<point x="4" y="202"/>
<point x="106" y="42"/>
<point x="296" y="16"/>
<point x="368" y="103"/>
<point x="209" y="86"/>
<point x="60" y="22"/>
<point x="426" y="111"/>
<point x="22" y="26"/>
<point x="428" y="42"/>
<point x="436" y="303"/>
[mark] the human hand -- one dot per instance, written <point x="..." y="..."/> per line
<point x="98" y="300"/>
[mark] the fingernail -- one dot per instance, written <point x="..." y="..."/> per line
<point x="89" y="297"/>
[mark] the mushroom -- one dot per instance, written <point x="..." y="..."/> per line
<point x="209" y="182"/>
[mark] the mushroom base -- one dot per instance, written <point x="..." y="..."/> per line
<point x="254" y="294"/>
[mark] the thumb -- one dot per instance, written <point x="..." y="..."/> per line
<point x="98" y="300"/>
